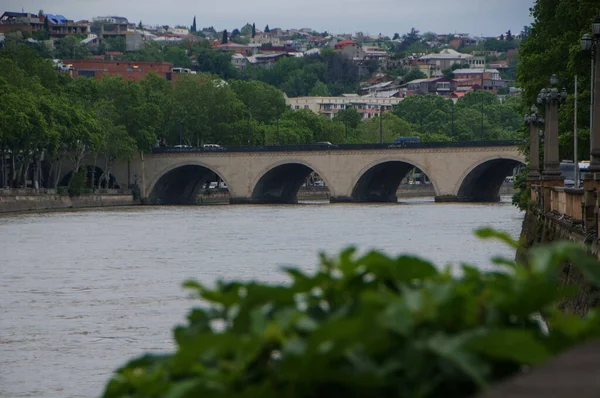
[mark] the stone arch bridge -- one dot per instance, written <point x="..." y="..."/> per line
<point x="458" y="171"/>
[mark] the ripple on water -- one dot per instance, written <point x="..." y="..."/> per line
<point x="82" y="292"/>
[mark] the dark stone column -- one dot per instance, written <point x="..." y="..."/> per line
<point x="551" y="160"/>
<point x="595" y="133"/>
<point x="534" y="121"/>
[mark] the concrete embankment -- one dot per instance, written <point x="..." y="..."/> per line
<point x="22" y="200"/>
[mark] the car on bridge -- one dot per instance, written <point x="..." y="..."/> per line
<point x="212" y="147"/>
<point x="326" y="144"/>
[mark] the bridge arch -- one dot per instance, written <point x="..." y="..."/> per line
<point x="181" y="183"/>
<point x="481" y="182"/>
<point x="379" y="181"/>
<point x="280" y="182"/>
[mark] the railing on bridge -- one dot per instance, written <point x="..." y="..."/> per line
<point x="569" y="202"/>
<point x="338" y="147"/>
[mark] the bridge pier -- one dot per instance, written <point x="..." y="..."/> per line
<point x="340" y="199"/>
<point x="462" y="199"/>
<point x="262" y="201"/>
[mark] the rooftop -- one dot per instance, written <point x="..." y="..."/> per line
<point x="447" y="53"/>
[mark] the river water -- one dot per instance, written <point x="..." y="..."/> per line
<point x="83" y="292"/>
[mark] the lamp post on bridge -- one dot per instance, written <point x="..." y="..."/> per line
<point x="534" y="121"/>
<point x="591" y="43"/>
<point x="551" y="176"/>
<point x="591" y="181"/>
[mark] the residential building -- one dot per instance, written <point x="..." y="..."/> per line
<point x="487" y="79"/>
<point x="265" y="38"/>
<point x="439" y="85"/>
<point x="110" y="27"/>
<point x="376" y="53"/>
<point x="235" y="48"/>
<point x="58" y="25"/>
<point x="266" y="60"/>
<point x="127" y="69"/>
<point x="349" y="49"/>
<point x="179" y="31"/>
<point x="448" y="57"/>
<point x="239" y="61"/>
<point x="330" y="106"/>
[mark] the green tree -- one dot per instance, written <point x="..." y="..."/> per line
<point x="224" y="38"/>
<point x="348" y="116"/>
<point x="267" y="30"/>
<point x="193" y="28"/>
<point x="319" y="90"/>
<point x="414" y="74"/>
<point x="253" y="30"/>
<point x="416" y="109"/>
<point x="205" y="104"/>
<point x="264" y="101"/>
<point x="246" y="30"/>
<point x="552" y="46"/>
<point x="217" y="62"/>
<point x="116" y="44"/>
<point x="70" y="47"/>
<point x="391" y="125"/>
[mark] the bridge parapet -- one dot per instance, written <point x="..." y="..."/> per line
<point x="568" y="202"/>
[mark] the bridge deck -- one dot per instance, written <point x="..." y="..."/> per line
<point x="341" y="147"/>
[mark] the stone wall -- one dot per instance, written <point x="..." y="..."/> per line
<point x="16" y="201"/>
<point x="539" y="228"/>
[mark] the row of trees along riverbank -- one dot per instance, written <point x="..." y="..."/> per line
<point x="51" y="116"/>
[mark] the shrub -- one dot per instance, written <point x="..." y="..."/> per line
<point x="369" y="326"/>
<point x="77" y="183"/>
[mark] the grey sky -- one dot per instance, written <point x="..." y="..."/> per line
<point x="477" y="17"/>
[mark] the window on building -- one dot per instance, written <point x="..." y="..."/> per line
<point x="129" y="69"/>
<point x="305" y="106"/>
<point x="297" y="107"/>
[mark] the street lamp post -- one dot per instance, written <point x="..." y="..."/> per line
<point x="380" y="125"/>
<point x="534" y="120"/>
<point x="592" y="43"/>
<point x="180" y="133"/>
<point x="550" y="98"/>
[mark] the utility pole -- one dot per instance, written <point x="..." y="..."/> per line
<point x="249" y="133"/>
<point x="575" y="160"/>
<point x="452" y="132"/>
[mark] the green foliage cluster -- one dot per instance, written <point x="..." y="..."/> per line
<point x="477" y="115"/>
<point x="301" y="76"/>
<point x="49" y="115"/>
<point x="78" y="183"/>
<point x="553" y="46"/>
<point x="370" y="325"/>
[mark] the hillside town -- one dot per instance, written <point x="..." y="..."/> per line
<point x="371" y="73"/>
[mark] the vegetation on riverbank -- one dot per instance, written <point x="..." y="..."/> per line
<point x="370" y="325"/>
<point x="48" y="115"/>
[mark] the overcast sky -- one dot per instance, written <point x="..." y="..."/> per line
<point x="477" y="17"/>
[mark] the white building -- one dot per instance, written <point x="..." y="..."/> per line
<point x="446" y="58"/>
<point x="328" y="106"/>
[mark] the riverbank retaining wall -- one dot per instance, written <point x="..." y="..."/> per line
<point x="541" y="228"/>
<point x="29" y="200"/>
